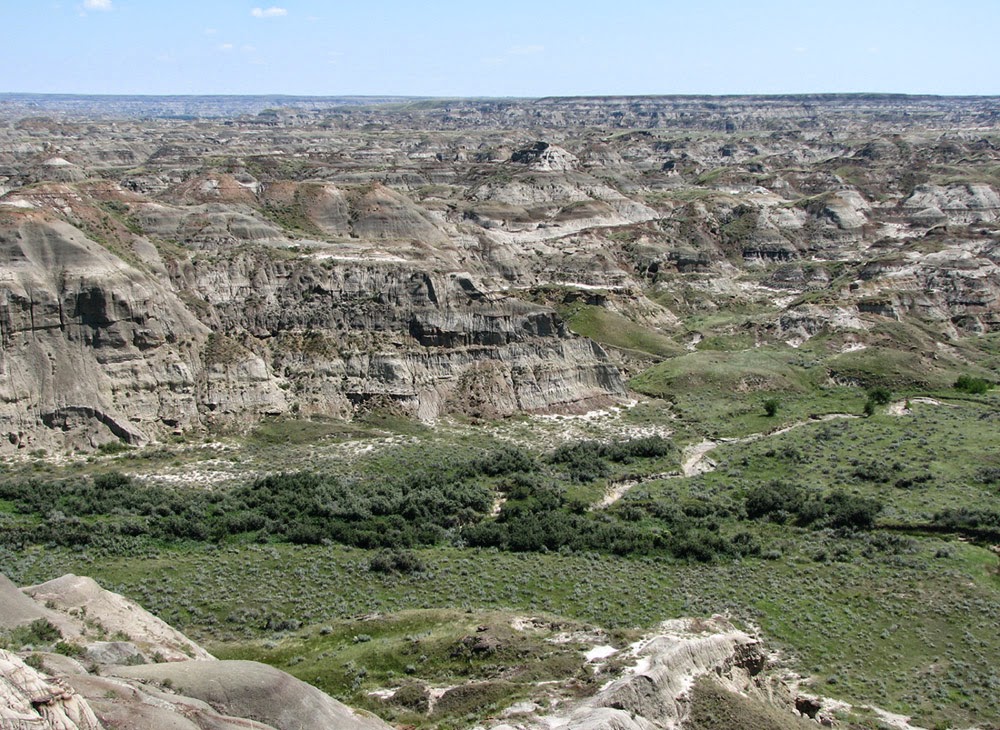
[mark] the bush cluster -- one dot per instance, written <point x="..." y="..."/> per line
<point x="971" y="385"/>
<point x="299" y="507"/>
<point x="538" y="517"/>
<point x="966" y="519"/>
<point x="789" y="503"/>
<point x="424" y="505"/>
<point x="587" y="461"/>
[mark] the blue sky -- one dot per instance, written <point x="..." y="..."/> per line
<point x="510" y="48"/>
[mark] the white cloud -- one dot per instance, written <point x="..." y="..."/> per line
<point x="271" y="12"/>
<point x="97" y="4"/>
<point x="226" y="46"/>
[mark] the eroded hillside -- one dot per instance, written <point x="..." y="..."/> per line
<point x="171" y="276"/>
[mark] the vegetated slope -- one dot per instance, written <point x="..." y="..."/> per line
<point x="138" y="679"/>
<point x="873" y="574"/>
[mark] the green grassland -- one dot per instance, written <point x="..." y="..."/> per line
<point x="614" y="330"/>
<point x="911" y="629"/>
<point x="862" y="548"/>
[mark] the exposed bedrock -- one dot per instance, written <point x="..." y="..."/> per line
<point x="98" y="347"/>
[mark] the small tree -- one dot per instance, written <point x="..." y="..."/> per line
<point x="771" y="407"/>
<point x="877" y="396"/>
<point x="971" y="385"/>
<point x="880" y="395"/>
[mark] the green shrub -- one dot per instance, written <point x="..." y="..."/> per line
<point x="401" y="561"/>
<point x="412" y="696"/>
<point x="988" y="475"/>
<point x="67" y="649"/>
<point x="775" y="500"/>
<point x="112" y="447"/>
<point x="471" y="697"/>
<point x="879" y="395"/>
<point x="39" y="631"/>
<point x="851" y="511"/>
<point x="782" y="502"/>
<point x="582" y="459"/>
<point x="963" y="518"/>
<point x="505" y="460"/>
<point x="971" y="385"/>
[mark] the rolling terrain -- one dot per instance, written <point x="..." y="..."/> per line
<point x="577" y="412"/>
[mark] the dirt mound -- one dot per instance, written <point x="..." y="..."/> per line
<point x="17" y="609"/>
<point x="381" y="213"/>
<point x="249" y="689"/>
<point x="87" y="604"/>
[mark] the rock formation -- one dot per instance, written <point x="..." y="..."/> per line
<point x="113" y="685"/>
<point x="166" y="276"/>
<point x="654" y="692"/>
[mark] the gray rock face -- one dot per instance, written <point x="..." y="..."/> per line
<point x="961" y="204"/>
<point x="169" y="276"/>
<point x="92" y="346"/>
<point x="96" y="349"/>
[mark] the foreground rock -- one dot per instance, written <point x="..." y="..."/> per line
<point x="251" y="690"/>
<point x="657" y="691"/>
<point x="86" y="610"/>
<point x="179" y="693"/>
<point x="29" y="700"/>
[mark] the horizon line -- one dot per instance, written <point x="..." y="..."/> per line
<point x="458" y="97"/>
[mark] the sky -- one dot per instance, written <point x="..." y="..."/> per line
<point x="509" y="48"/>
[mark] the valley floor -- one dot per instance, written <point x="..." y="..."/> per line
<point x="900" y="613"/>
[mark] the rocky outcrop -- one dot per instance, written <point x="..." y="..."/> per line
<point x="80" y="602"/>
<point x="187" y="690"/>
<point x="97" y="349"/>
<point x="252" y="690"/>
<point x="958" y="204"/>
<point x="31" y="701"/>
<point x="654" y="692"/>
<point x="93" y="348"/>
